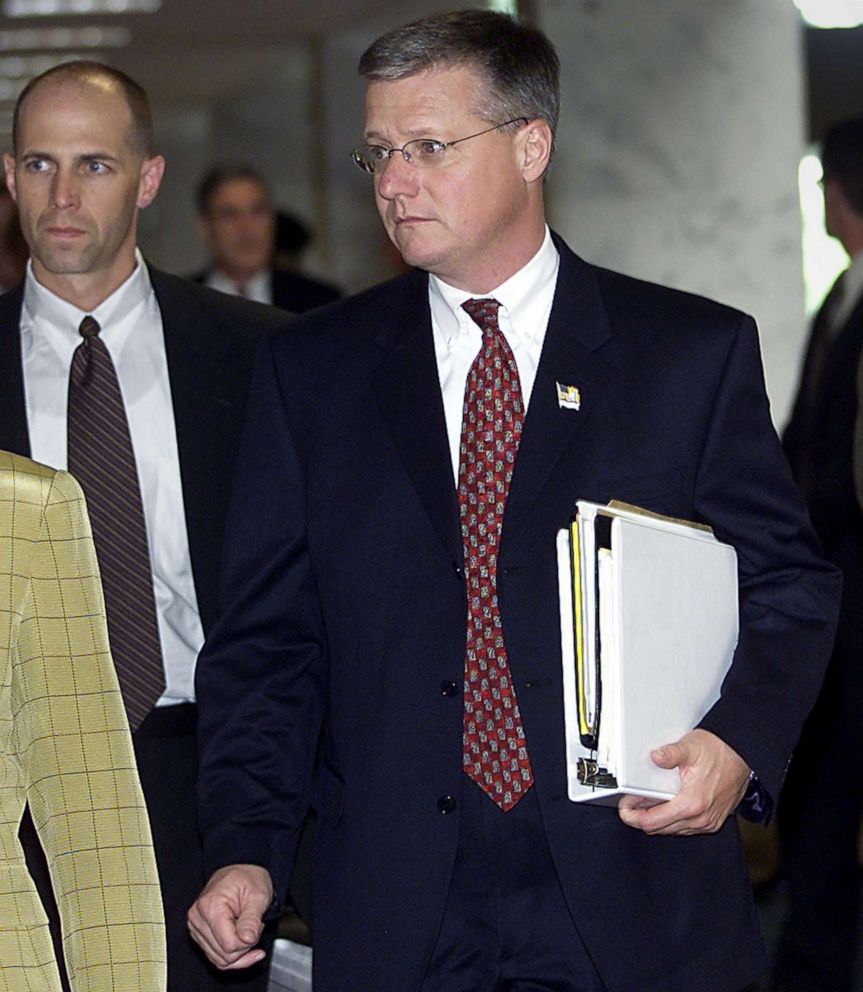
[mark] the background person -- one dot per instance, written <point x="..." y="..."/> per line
<point x="239" y="225"/>
<point x="821" y="802"/>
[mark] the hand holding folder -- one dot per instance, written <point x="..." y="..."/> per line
<point x="713" y="781"/>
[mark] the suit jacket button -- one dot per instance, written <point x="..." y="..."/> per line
<point x="459" y="571"/>
<point x="449" y="689"/>
<point x="446" y="804"/>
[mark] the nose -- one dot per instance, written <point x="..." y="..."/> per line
<point x="64" y="191"/>
<point x="398" y="177"/>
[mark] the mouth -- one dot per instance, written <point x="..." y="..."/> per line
<point x="65" y="233"/>
<point x="400" y="221"/>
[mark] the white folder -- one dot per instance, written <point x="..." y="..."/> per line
<point x="648" y="609"/>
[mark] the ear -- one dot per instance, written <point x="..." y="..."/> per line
<point x="536" y="150"/>
<point x="152" y="170"/>
<point x="9" y="166"/>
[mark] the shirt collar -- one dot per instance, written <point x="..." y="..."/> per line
<point x="256" y="288"/>
<point x="44" y="306"/>
<point x="515" y="297"/>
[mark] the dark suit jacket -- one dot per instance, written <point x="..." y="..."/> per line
<point x="345" y="604"/>
<point x="819" y="438"/>
<point x="294" y="292"/>
<point x="210" y="340"/>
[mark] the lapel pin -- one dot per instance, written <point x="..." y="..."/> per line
<point x="568" y="397"/>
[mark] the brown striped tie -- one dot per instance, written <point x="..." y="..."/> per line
<point x="101" y="457"/>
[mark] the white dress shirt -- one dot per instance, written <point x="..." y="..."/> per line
<point x="259" y="288"/>
<point x="525" y="306"/>
<point x="131" y="326"/>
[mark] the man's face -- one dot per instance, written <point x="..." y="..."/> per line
<point x="238" y="227"/>
<point x="79" y="183"/>
<point x="469" y="220"/>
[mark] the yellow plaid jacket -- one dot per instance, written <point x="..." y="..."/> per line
<point x="65" y="748"/>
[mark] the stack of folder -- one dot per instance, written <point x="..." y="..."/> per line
<point x="649" y="623"/>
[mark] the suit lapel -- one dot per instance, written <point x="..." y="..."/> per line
<point x="14" y="434"/>
<point x="200" y="419"/>
<point x="571" y="356"/>
<point x="407" y="389"/>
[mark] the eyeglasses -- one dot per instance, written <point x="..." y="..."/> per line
<point x="424" y="153"/>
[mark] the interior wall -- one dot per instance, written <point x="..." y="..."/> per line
<point x="267" y="123"/>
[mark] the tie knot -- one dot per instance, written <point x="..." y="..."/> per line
<point x="483" y="312"/>
<point x="89" y="327"/>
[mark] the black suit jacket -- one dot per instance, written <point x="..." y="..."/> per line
<point x="345" y="606"/>
<point x="819" y="438"/>
<point x="294" y="292"/>
<point x="210" y="340"/>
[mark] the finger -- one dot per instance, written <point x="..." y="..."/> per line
<point x="213" y="921"/>
<point x="202" y="933"/>
<point x="225" y="927"/>
<point x="246" y="960"/>
<point x="249" y="927"/>
<point x="671" y="755"/>
<point x="683" y="812"/>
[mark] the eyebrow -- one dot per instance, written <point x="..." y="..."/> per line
<point x="412" y="134"/>
<point x="84" y="157"/>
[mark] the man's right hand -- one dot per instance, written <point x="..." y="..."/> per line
<point x="227" y="918"/>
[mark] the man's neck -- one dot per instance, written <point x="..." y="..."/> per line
<point x="86" y="291"/>
<point x="238" y="277"/>
<point x="494" y="270"/>
<point x="486" y="279"/>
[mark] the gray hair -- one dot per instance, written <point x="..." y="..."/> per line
<point x="518" y="64"/>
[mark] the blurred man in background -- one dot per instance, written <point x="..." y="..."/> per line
<point x="238" y="223"/>
<point x="819" y="811"/>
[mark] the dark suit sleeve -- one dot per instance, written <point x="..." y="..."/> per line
<point x="260" y="676"/>
<point x="788" y="594"/>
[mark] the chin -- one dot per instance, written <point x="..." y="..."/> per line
<point x="420" y="258"/>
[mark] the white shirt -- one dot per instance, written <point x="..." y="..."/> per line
<point x="852" y="290"/>
<point x="132" y="332"/>
<point x="525" y="300"/>
<point x="259" y="288"/>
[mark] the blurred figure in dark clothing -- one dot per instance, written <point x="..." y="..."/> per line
<point x="238" y="223"/>
<point x="820" y="805"/>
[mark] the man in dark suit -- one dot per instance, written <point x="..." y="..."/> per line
<point x="238" y="223"/>
<point x="179" y="358"/>
<point x="821" y="803"/>
<point x="391" y="577"/>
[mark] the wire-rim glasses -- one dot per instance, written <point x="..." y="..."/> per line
<point x="424" y="153"/>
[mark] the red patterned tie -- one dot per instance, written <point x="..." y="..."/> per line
<point x="495" y="749"/>
<point x="101" y="457"/>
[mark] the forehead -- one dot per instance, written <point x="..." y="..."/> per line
<point x="238" y="189"/>
<point x="425" y="99"/>
<point x="81" y="113"/>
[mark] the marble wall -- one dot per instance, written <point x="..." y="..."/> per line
<point x="681" y="132"/>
